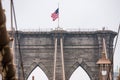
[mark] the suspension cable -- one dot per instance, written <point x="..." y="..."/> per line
<point x="17" y="37"/>
<point x="115" y="47"/>
<point x="11" y="18"/>
<point x="55" y="55"/>
<point x="116" y="39"/>
<point x="62" y="57"/>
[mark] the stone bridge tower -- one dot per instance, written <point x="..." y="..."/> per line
<point x="59" y="53"/>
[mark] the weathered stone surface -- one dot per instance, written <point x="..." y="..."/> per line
<point x="79" y="48"/>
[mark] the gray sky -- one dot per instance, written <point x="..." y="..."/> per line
<point x="74" y="14"/>
<point x="84" y="14"/>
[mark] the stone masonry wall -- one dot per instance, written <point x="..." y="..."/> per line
<point x="79" y="48"/>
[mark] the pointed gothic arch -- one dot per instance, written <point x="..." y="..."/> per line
<point x="83" y="65"/>
<point x="40" y="67"/>
<point x="79" y="74"/>
<point x="38" y="73"/>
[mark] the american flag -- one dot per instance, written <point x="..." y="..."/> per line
<point x="55" y="15"/>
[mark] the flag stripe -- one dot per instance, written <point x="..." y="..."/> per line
<point x="55" y="15"/>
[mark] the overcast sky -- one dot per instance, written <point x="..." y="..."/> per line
<point x="84" y="14"/>
<point x="74" y="14"/>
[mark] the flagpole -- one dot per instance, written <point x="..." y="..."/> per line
<point x="58" y="15"/>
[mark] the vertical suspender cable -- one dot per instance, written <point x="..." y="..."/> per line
<point x="21" y="62"/>
<point x="62" y="57"/>
<point x="55" y="54"/>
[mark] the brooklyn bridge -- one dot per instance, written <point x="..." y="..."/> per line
<point x="59" y="53"/>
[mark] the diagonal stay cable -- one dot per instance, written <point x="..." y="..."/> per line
<point x="17" y="37"/>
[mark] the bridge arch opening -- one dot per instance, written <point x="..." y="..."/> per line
<point x="79" y="74"/>
<point x="38" y="74"/>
